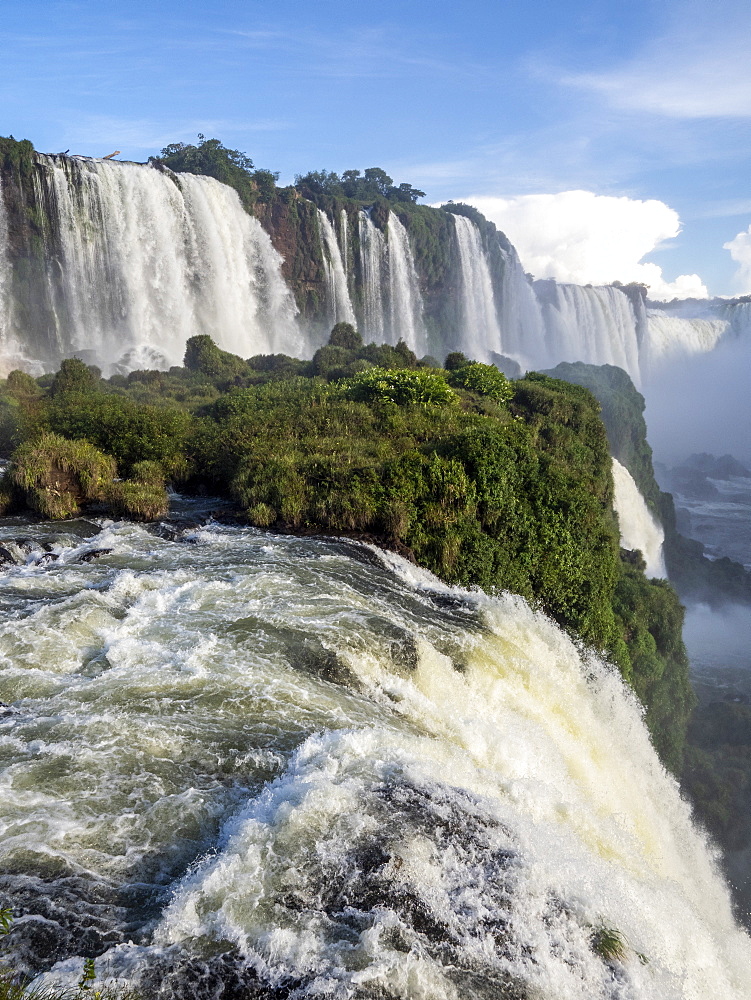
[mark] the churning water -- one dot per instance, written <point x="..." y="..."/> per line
<point x="239" y="764"/>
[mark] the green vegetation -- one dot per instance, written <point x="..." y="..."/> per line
<point x="401" y="387"/>
<point x="486" y="380"/>
<point x="211" y="158"/>
<point x="369" y="186"/>
<point x="57" y="475"/>
<point x="609" y="944"/>
<point x="484" y="481"/>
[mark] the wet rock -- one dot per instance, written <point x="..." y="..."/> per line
<point x="91" y="555"/>
<point x="176" y="530"/>
<point x="6" y="557"/>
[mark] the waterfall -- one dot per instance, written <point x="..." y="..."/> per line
<point x="671" y="336"/>
<point x="337" y="299"/>
<point x="344" y="243"/>
<point x="481" y="333"/>
<point x="404" y="290"/>
<point x="5" y="278"/>
<point x="521" y="319"/>
<point x="595" y="324"/>
<point x="290" y="766"/>
<point x="738" y="315"/>
<point x="148" y="258"/>
<point x="639" y="528"/>
<point x="372" y="253"/>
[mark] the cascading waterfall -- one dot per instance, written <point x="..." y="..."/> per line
<point x="257" y="763"/>
<point x="149" y="258"/>
<point x="638" y="527"/>
<point x="596" y="324"/>
<point x="404" y="290"/>
<point x="338" y="300"/>
<point x="481" y="333"/>
<point x="675" y="336"/>
<point x="372" y="252"/>
<point x="738" y="315"/>
<point x="344" y="242"/>
<point x="5" y="277"/>
<point x="522" y="323"/>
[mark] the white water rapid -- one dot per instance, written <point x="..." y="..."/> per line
<point x="404" y="290"/>
<point x="149" y="258"/>
<point x="480" y="330"/>
<point x="638" y="526"/>
<point x="241" y="764"/>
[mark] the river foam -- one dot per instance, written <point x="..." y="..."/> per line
<point x="298" y="767"/>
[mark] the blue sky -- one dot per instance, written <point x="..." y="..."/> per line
<point x="649" y="101"/>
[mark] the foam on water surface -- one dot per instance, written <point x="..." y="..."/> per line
<point x="296" y="765"/>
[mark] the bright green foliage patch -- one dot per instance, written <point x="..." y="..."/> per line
<point x="486" y="380"/>
<point x="401" y="387"/>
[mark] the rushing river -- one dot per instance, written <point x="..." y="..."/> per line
<point x="243" y="765"/>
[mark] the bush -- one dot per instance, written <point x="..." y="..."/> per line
<point x="486" y="380"/>
<point x="56" y="474"/>
<point x="345" y="335"/>
<point x="75" y="376"/>
<point x="138" y="501"/>
<point x="401" y="386"/>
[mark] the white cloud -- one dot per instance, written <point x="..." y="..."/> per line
<point x="586" y="238"/>
<point x="740" y="251"/>
<point x="707" y="85"/>
<point x="696" y="66"/>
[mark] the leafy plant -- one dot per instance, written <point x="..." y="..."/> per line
<point x="402" y="386"/>
<point x="486" y="380"/>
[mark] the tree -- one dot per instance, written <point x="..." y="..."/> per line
<point x="405" y="192"/>
<point x="75" y="376"/>
<point x="345" y="335"/>
<point x="213" y="159"/>
<point x="378" y="179"/>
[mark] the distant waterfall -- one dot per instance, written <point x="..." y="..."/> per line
<point x="521" y="319"/>
<point x="481" y="333"/>
<point x="671" y="336"/>
<point x="405" y="298"/>
<point x="738" y="315"/>
<point x="639" y="528"/>
<point x="596" y="324"/>
<point x="147" y="258"/>
<point x="337" y="299"/>
<point x="372" y="251"/>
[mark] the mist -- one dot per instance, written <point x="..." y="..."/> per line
<point x="701" y="402"/>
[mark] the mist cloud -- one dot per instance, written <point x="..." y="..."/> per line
<point x="586" y="238"/>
